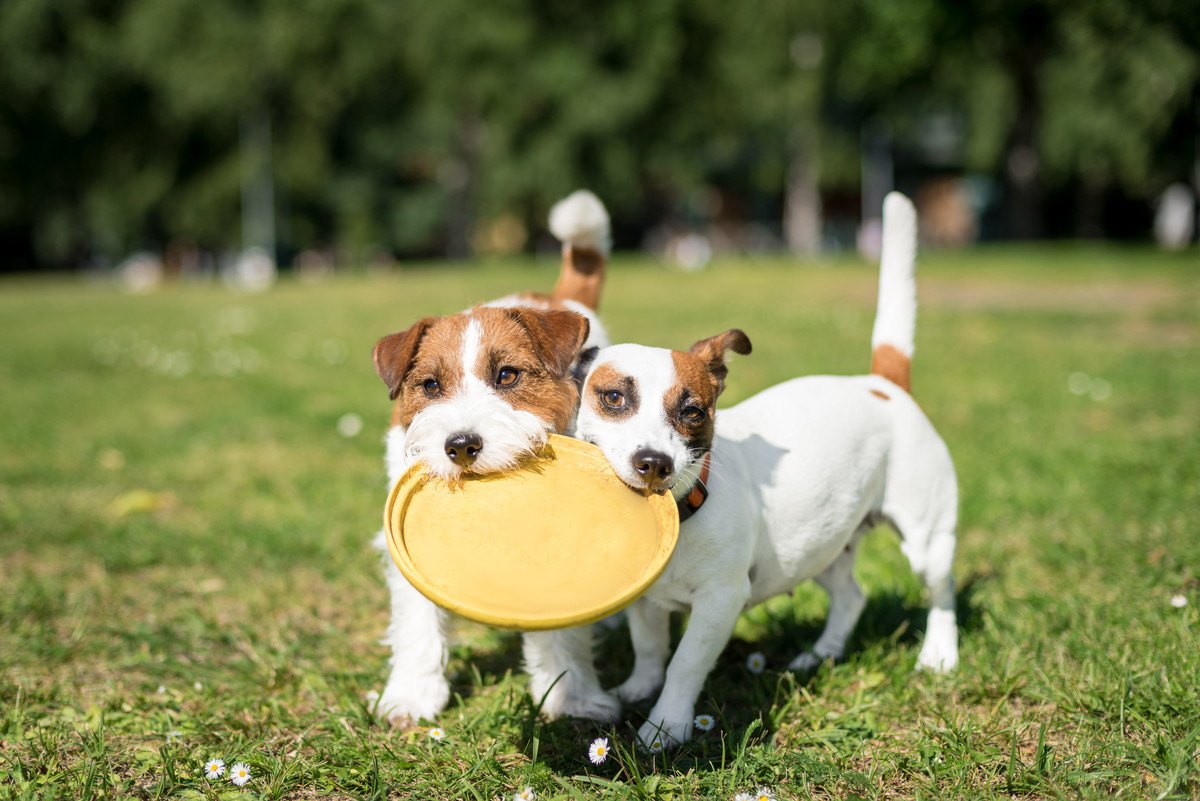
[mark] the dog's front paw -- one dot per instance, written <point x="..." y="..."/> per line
<point x="573" y="702"/>
<point x="639" y="687"/>
<point x="663" y="734"/>
<point x="410" y="699"/>
<point x="939" y="653"/>
<point x="808" y="661"/>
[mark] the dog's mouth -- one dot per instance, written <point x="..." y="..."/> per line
<point x="646" y="490"/>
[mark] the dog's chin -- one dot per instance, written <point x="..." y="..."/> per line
<point x="452" y="473"/>
<point x="641" y="488"/>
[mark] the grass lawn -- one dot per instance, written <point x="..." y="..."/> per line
<point x="185" y="570"/>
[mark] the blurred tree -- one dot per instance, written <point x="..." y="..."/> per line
<point x="524" y="100"/>
<point x="407" y="127"/>
<point x="77" y="173"/>
<point x="770" y="59"/>
<point x="328" y="75"/>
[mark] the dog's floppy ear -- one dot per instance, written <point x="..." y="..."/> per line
<point x="394" y="354"/>
<point x="711" y="351"/>
<point x="557" y="336"/>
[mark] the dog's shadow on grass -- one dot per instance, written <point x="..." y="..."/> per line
<point x="892" y="616"/>
<point x="746" y="706"/>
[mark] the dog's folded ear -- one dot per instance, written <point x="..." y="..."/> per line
<point x="711" y="351"/>
<point x="557" y="336"/>
<point x="394" y="354"/>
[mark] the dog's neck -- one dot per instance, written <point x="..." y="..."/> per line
<point x="691" y="500"/>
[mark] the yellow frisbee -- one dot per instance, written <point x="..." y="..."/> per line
<point x="558" y="542"/>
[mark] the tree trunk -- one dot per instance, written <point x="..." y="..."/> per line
<point x="461" y="177"/>
<point x="1025" y="193"/>
<point x="258" y="182"/>
<point x="802" y="198"/>
<point x="1089" y="222"/>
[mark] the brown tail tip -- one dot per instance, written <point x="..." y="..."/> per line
<point x="887" y="361"/>
<point x="581" y="277"/>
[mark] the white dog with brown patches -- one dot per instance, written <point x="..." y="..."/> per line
<point x="476" y="392"/>
<point x="798" y="473"/>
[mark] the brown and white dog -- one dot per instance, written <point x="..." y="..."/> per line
<point x="798" y="473"/>
<point x="476" y="392"/>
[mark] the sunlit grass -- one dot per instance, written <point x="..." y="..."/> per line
<point x="184" y="543"/>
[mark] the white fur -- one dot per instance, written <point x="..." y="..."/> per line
<point x="799" y="472"/>
<point x="562" y="676"/>
<point x="896" y="313"/>
<point x="581" y="219"/>
<point x="649" y="428"/>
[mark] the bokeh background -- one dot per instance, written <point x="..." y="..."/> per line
<point x="338" y="133"/>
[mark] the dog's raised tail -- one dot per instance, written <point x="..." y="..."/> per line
<point x="896" y="313"/>
<point x="581" y="223"/>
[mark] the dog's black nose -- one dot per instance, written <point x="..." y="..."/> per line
<point x="654" y="466"/>
<point x="463" y="448"/>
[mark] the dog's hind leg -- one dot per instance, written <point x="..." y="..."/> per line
<point x="922" y="505"/>
<point x="846" y="603"/>
<point x="939" y="652"/>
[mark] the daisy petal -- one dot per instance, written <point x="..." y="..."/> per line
<point x="239" y="774"/>
<point x="598" y="750"/>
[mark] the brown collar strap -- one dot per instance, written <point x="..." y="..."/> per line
<point x="691" y="503"/>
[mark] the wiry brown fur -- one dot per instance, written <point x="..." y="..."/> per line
<point x="582" y="276"/>
<point x="539" y="344"/>
<point x="695" y="385"/>
<point x="888" y="362"/>
<point x="605" y="379"/>
<point x="711" y="352"/>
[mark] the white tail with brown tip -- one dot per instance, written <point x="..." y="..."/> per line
<point x="581" y="223"/>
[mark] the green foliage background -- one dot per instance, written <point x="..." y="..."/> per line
<point x="402" y="126"/>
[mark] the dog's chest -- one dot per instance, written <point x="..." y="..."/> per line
<point x="705" y="557"/>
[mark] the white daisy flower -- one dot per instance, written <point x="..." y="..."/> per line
<point x="437" y="733"/>
<point x="197" y="685"/>
<point x="1179" y="601"/>
<point x="704" y="722"/>
<point x="756" y="663"/>
<point x="598" y="750"/>
<point x="742" y="797"/>
<point x="656" y="747"/>
<point x="525" y="795"/>
<point x="213" y="768"/>
<point x="763" y="794"/>
<point x="239" y="774"/>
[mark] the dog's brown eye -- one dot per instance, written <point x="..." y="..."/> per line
<point x="431" y="387"/>
<point x="613" y="399"/>
<point x="693" y="414"/>
<point x="507" y="376"/>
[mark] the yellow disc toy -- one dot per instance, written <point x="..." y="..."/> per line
<point x="560" y="541"/>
